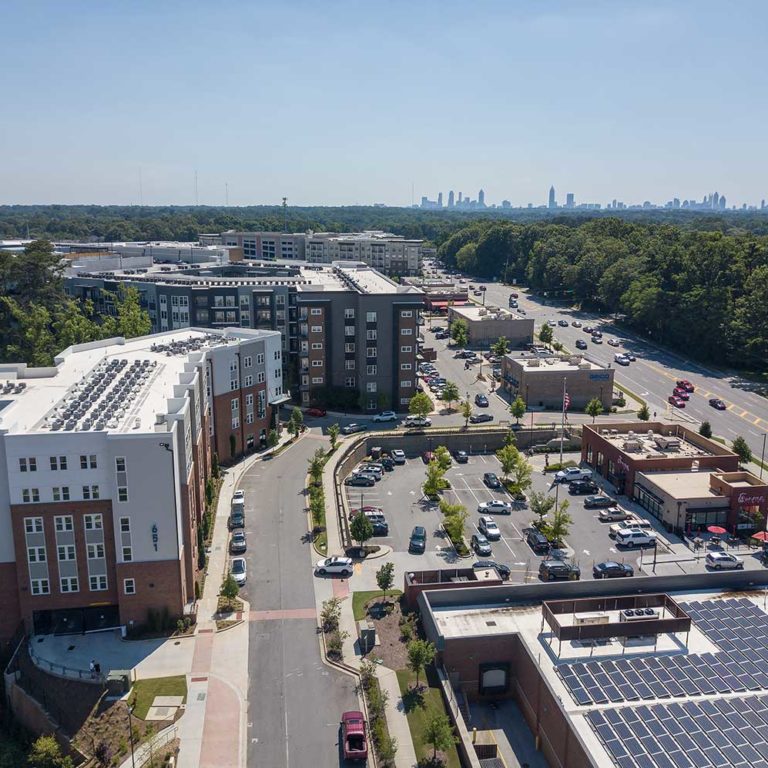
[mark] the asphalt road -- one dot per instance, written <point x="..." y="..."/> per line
<point x="295" y="701"/>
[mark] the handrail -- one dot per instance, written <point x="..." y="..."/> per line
<point x="61" y="670"/>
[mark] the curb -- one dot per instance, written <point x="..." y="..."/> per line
<point x="231" y="626"/>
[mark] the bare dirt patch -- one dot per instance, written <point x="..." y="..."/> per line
<point x="386" y="616"/>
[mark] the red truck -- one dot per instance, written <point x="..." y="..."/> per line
<point x="353" y="736"/>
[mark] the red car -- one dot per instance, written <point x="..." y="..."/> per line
<point x="353" y="737"/>
<point x="676" y="401"/>
<point x="316" y="412"/>
<point x="681" y="393"/>
<point x="686" y="385"/>
<point x="427" y="456"/>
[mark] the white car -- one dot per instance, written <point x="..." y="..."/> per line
<point x="418" y="421"/>
<point x="614" y="343"/>
<point x="631" y="522"/>
<point x="335" y="565"/>
<point x="385" y="416"/>
<point x="612" y="514"/>
<point x="573" y="473"/>
<point x="495" y="505"/>
<point x="398" y="456"/>
<point x="722" y="560"/>
<point x="367" y="468"/>
<point x="488" y="527"/>
<point x="238" y="569"/>
<point x="634" y="537"/>
<point x="620" y="359"/>
<point x="238" y="497"/>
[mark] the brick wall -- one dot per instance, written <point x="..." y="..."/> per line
<point x="158" y="585"/>
<point x="10" y="616"/>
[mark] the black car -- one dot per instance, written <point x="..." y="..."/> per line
<point x="552" y="570"/>
<point x="581" y="344"/>
<point x="537" y="541"/>
<point x="462" y="457"/>
<point x="612" y="570"/>
<point x="238" y="543"/>
<point x="418" y="541"/>
<point x="481" y="400"/>
<point x="479" y="418"/>
<point x="502" y="569"/>
<point x="361" y="480"/>
<point x="598" y="502"/>
<point x="480" y="544"/>
<point x="388" y="463"/>
<point x="491" y="480"/>
<point x="379" y="524"/>
<point x="717" y="403"/>
<point x="236" y="520"/>
<point x="580" y="487"/>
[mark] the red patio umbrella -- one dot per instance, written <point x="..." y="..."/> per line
<point x="760" y="535"/>
<point x="718" y="530"/>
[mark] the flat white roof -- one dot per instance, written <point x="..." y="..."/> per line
<point x="476" y="313"/>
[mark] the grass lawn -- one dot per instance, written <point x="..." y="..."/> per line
<point x="144" y="691"/>
<point x="359" y="599"/>
<point x="418" y="707"/>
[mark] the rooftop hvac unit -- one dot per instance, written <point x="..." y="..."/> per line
<point x="650" y="434"/>
<point x="632" y="446"/>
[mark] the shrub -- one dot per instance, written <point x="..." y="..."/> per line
<point x="229" y="588"/>
<point x="330" y="614"/>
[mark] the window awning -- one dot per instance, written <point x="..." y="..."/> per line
<point x="444" y="304"/>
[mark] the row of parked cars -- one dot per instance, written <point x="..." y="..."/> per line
<point x="368" y="473"/>
<point x="238" y="543"/>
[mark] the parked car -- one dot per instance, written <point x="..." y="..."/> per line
<point x="316" y="413"/>
<point x="717" y="403"/>
<point x="368" y="510"/>
<point x="495" y="506"/>
<point x="581" y="487"/>
<point x="597" y="340"/>
<point x="573" y="473"/>
<point x="238" y="497"/>
<point x="388" y="463"/>
<point x="632" y="522"/>
<point x="588" y="329"/>
<point x="385" y="416"/>
<point x="379" y="524"/>
<point x="598" y="501"/>
<point x="491" y="480"/>
<point x="685" y="384"/>
<point x="462" y="457"/>
<point x="612" y="570"/>
<point x="418" y="540"/>
<point x="681" y="393"/>
<point x="576" y="324"/>
<point x="562" y="323"/>
<point x="630" y="357"/>
<point x="635" y="537"/>
<point x="427" y="456"/>
<point x="723" y="560"/>
<point x="621" y="359"/>
<point x="398" y="455"/>
<point x="537" y="541"/>
<point x="480" y="418"/>
<point x="612" y="515"/>
<point x="552" y="323"/>
<point x="239" y="570"/>
<point x="614" y="343"/>
<point x="551" y="570"/>
<point x="360" y="480"/>
<point x="503" y="570"/>
<point x="369" y="468"/>
<point x="480" y="544"/>
<point x="597" y="332"/>
<point x="238" y="543"/>
<point x="481" y="400"/>
<point x="350" y="429"/>
<point x="418" y="421"/>
<point x="335" y="565"/>
<point x="236" y="520"/>
<point x="581" y="344"/>
<point x="678" y="402"/>
<point x="354" y="740"/>
<point x="488" y="527"/>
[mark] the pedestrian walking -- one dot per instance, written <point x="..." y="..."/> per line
<point x="97" y="669"/>
<point x="93" y="668"/>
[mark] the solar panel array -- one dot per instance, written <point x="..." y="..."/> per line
<point x="738" y="627"/>
<point x="721" y="732"/>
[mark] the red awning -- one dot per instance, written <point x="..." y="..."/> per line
<point x="760" y="535"/>
<point x="444" y="304"/>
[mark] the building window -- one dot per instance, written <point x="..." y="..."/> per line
<point x="248" y="381"/>
<point x="316" y="329"/>
<point x="28" y="465"/>
<point x="349" y="365"/>
<point x="232" y="385"/>
<point x="349" y="382"/>
<point x="317" y="363"/>
<point x="371" y="386"/>
<point x="125" y="525"/>
<point x="95" y="551"/>
<point x="61" y="494"/>
<point x="278" y="354"/>
<point x="69" y="584"/>
<point x="247" y="361"/>
<point x="92" y="522"/>
<point x="129" y="586"/>
<point x="36" y="554"/>
<point x="406" y="349"/>
<point x="88" y="462"/>
<point x="315" y="311"/>
<point x="405" y="400"/>
<point x="406" y="331"/>
<point x="58" y="462"/>
<point x="261" y="405"/>
<point x="260" y="358"/>
<point x="40" y="587"/>
<point x="405" y="366"/>
<point x="349" y="347"/>
<point x="66" y="552"/>
<point x="90" y="492"/>
<point x="349" y="330"/>
<point x="406" y="383"/>
<point x="235" y="422"/>
<point x="30" y="495"/>
<point x="122" y="493"/>
<point x="371" y="352"/>
<point x="349" y="313"/>
<point x="249" y="398"/>
<point x="119" y="464"/>
<point x="317" y="345"/>
<point x="127" y="554"/>
<point x="63" y="522"/>
<point x="235" y="405"/>
<point x="371" y="335"/>
<point x="98" y="583"/>
<point x="249" y="418"/>
<point x="33" y="524"/>
<point x="406" y="313"/>
<point x="260" y="377"/>
<point x="370" y="317"/>
<point x="372" y="370"/>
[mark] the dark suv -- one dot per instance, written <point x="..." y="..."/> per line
<point x="537" y="541"/>
<point x="551" y="570"/>
<point x="418" y="542"/>
<point x="599" y="502"/>
<point x="582" y="487"/>
<point x="491" y="480"/>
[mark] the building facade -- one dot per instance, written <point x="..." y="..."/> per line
<point x="104" y="459"/>
<point x="485" y="325"/>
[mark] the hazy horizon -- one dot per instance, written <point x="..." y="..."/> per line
<point x="340" y="104"/>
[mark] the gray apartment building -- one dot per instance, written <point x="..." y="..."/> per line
<point x="349" y="334"/>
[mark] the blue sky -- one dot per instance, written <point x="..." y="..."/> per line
<point x="355" y="102"/>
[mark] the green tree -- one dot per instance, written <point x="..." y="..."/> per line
<point x="435" y="481"/>
<point x="466" y="411"/>
<point x="385" y="577"/>
<point x="742" y="450"/>
<point x="522" y="473"/>
<point x="443" y="457"/>
<point x="361" y="528"/>
<point x="333" y="434"/>
<point x="229" y="588"/>
<point x="209" y="492"/>
<point x="420" y="405"/>
<point x="561" y="523"/>
<point x="460" y="332"/>
<point x="295" y="422"/>
<point x="215" y="469"/>
<point x="46" y="753"/>
<point x="454" y="518"/>
<point x="450" y="394"/>
<point x="705" y="430"/>
<point x="518" y="408"/>
<point x="132" y="320"/>
<point x="644" y="414"/>
<point x="438" y="732"/>
<point x="545" y="334"/>
<point x="507" y="457"/>
<point x="316" y="465"/>
<point x="594" y="408"/>
<point x="272" y="438"/>
<point x="420" y="654"/>
<point x="500" y="347"/>
<point x="541" y="505"/>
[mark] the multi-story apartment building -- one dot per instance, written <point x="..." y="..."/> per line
<point x="282" y="297"/>
<point x="104" y="458"/>
<point x="387" y="253"/>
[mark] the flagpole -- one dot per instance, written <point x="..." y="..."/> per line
<point x="562" y="424"/>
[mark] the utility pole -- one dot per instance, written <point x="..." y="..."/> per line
<point x="562" y="422"/>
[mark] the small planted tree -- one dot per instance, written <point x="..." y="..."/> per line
<point x="420" y="405"/>
<point x="420" y="654"/>
<point x="438" y="732"/>
<point x="450" y="394"/>
<point x="507" y="457"/>
<point x="46" y="753"/>
<point x="644" y="413"/>
<point x="385" y="578"/>
<point x="705" y="430"/>
<point x="333" y="434"/>
<point x="443" y="457"/>
<point x="229" y="588"/>
<point x="466" y="411"/>
<point x="215" y="469"/>
<point x="518" y="408"/>
<point x="561" y="523"/>
<point x="500" y="347"/>
<point x="742" y="450"/>
<point x="330" y="614"/>
<point x="522" y="473"/>
<point x="460" y="332"/>
<point x="272" y="438"/>
<point x="316" y="465"/>
<point x="594" y="408"/>
<point x="541" y="505"/>
<point x="296" y="422"/>
<point x="545" y="334"/>
<point x="361" y="528"/>
<point x="435" y="481"/>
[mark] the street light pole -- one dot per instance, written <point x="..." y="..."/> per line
<point x="130" y="736"/>
<point x="762" y="455"/>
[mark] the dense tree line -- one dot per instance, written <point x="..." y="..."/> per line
<point x="702" y="292"/>
<point x="39" y="320"/>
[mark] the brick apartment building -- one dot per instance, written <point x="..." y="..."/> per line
<point x="104" y="458"/>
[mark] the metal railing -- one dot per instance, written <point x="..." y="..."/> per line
<point x="147" y="751"/>
<point x="61" y="670"/>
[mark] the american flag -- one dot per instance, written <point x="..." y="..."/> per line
<point x="566" y="401"/>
